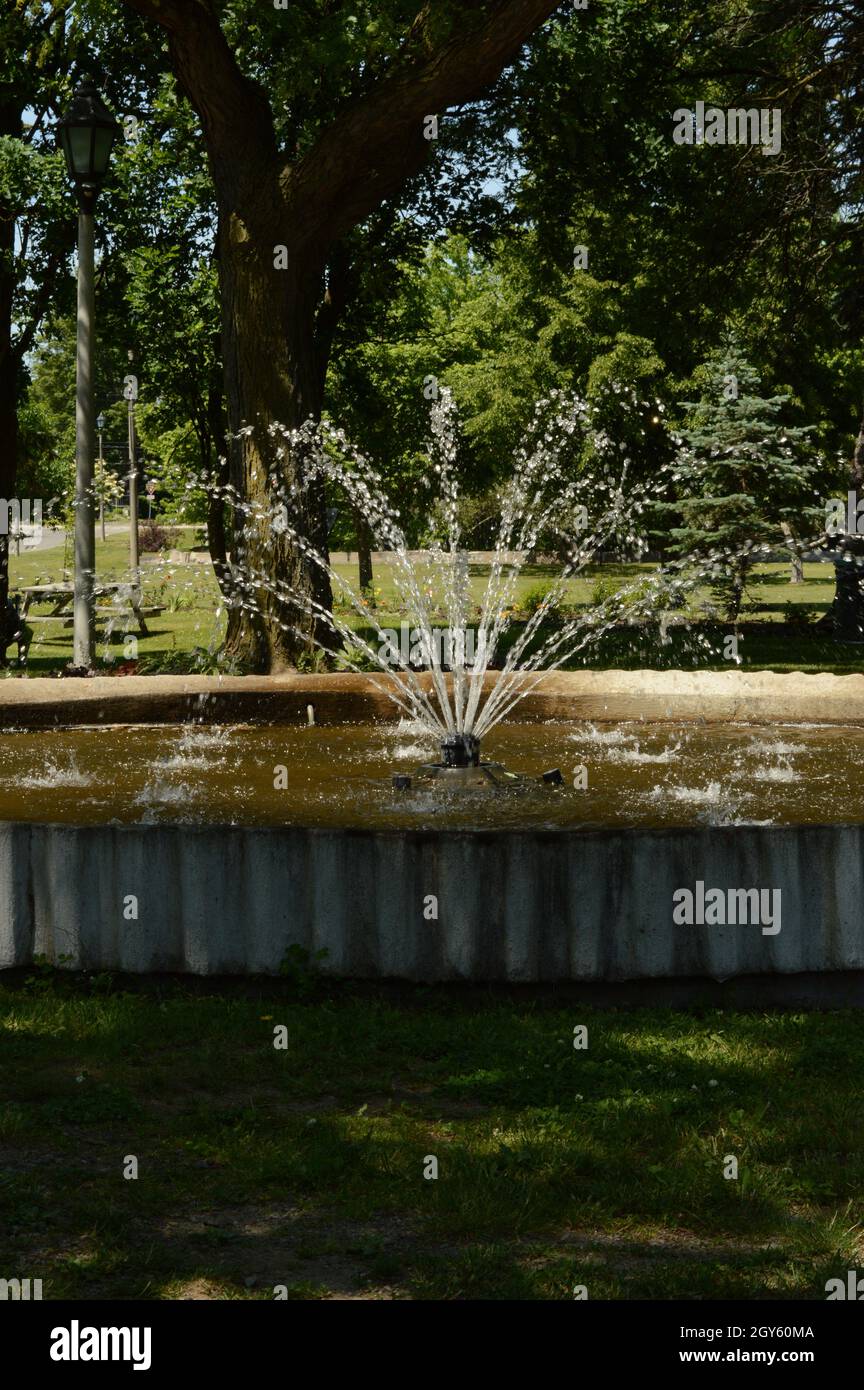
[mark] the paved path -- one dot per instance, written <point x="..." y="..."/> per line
<point x="51" y="539"/>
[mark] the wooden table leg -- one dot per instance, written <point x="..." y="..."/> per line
<point x="142" y="626"/>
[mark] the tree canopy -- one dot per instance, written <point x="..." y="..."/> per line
<point x="324" y="206"/>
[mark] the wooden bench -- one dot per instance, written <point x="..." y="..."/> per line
<point x="61" y="595"/>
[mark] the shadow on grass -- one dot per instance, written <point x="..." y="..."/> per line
<point x="305" y="1165"/>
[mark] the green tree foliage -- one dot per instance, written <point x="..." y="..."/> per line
<point x="742" y="473"/>
<point x="693" y="241"/>
<point x="472" y="272"/>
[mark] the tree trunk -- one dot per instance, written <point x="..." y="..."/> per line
<point x="796" y="575"/>
<point x="271" y="376"/>
<point x="736" y="597"/>
<point x="216" y="465"/>
<point x="856" y="472"/>
<point x="273" y="366"/>
<point x="8" y="459"/>
<point x="364" y="553"/>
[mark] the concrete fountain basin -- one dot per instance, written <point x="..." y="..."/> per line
<point x="516" y="903"/>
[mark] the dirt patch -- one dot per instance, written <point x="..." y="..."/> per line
<point x="198" y="1290"/>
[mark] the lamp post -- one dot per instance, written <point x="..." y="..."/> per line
<point x="100" y="425"/>
<point x="86" y="134"/>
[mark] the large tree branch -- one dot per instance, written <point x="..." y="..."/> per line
<point x="375" y="144"/>
<point x="24" y="342"/>
<point x="235" y="115"/>
<point x="449" y="56"/>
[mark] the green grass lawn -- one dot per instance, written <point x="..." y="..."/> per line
<point x="189" y="595"/>
<point x="304" y="1167"/>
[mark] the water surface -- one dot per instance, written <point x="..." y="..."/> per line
<point x="339" y="775"/>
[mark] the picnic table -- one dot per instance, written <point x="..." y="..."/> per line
<point x="61" y="595"/>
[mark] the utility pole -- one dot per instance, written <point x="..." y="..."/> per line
<point x="84" y="619"/>
<point x="130" y="391"/>
<point x="100" y="425"/>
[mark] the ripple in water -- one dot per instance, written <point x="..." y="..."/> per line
<point x="711" y="795"/>
<point x="415" y="727"/>
<point x="637" y="755"/>
<point x="762" y="748"/>
<point x="53" y="775"/>
<point x="607" y="738"/>
<point x="197" y="739"/>
<point x="776" y="774"/>
<point x="169" y="793"/>
<point x="184" y="762"/>
<point x="714" y="804"/>
<point x="419" y="752"/>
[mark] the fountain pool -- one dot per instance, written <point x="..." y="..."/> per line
<point x="206" y="827"/>
<point x="625" y="774"/>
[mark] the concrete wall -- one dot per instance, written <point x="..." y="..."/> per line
<point x="519" y="907"/>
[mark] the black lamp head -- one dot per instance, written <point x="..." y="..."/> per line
<point x="86" y="135"/>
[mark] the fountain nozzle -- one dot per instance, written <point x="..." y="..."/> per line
<point x="460" y="750"/>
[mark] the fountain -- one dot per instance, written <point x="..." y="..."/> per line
<point x="210" y="824"/>
<point x="543" y="494"/>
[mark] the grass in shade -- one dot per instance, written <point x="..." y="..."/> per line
<point x="303" y="1167"/>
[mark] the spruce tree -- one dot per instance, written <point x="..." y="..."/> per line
<point x="743" y="476"/>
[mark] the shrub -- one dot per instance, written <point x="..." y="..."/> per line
<point x="200" y="661"/>
<point x="536" y="597"/>
<point x="604" y="589"/>
<point x="800" y="616"/>
<point x="152" y="538"/>
<point x="352" y="658"/>
<point x="313" y="661"/>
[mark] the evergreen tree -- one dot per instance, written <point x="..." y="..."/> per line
<point x="744" y="477"/>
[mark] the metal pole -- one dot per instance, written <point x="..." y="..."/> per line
<point x="101" y="488"/>
<point x="133" y="497"/>
<point x="85" y="530"/>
